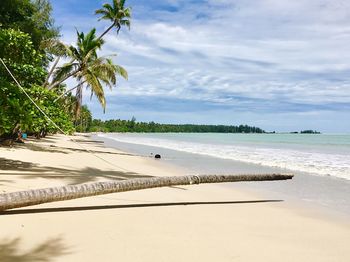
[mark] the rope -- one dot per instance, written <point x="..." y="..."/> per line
<point x="25" y="92"/>
<point x="50" y="120"/>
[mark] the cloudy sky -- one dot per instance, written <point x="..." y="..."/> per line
<point x="278" y="64"/>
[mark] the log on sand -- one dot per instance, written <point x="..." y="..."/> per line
<point x="46" y="195"/>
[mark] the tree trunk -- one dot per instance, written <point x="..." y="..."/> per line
<point x="51" y="72"/>
<point x="79" y="102"/>
<point x="46" y="195"/>
<point x="51" y="86"/>
<point x="69" y="91"/>
<point x="105" y="32"/>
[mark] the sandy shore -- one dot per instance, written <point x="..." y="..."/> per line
<point x="193" y="223"/>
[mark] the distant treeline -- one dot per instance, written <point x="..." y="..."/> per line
<point x="309" y="132"/>
<point x="118" y="125"/>
<point x="306" y="132"/>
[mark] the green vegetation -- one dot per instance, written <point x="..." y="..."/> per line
<point x="83" y="123"/>
<point x="309" y="132"/>
<point x="117" y="13"/>
<point x="88" y="68"/>
<point x="133" y="126"/>
<point x="17" y="112"/>
<point x="85" y="65"/>
<point x="305" y="132"/>
<point x="31" y="17"/>
<point x="28" y="42"/>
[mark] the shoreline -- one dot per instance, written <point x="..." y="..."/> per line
<point x="205" y="222"/>
<point x="327" y="193"/>
<point x="326" y="157"/>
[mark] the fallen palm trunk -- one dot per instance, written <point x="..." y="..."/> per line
<point x="46" y="195"/>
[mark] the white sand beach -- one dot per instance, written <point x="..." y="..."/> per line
<point x="189" y="223"/>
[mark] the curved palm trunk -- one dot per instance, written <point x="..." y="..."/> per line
<point x="51" y="86"/>
<point x="46" y="195"/>
<point x="78" y="85"/>
<point x="107" y="30"/>
<point x="79" y="97"/>
<point x="51" y="72"/>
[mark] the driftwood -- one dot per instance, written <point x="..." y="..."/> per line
<point x="46" y="195"/>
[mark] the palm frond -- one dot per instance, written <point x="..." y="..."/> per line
<point x="63" y="71"/>
<point x="115" y="14"/>
<point x="122" y="72"/>
<point x="96" y="88"/>
<point x="73" y="53"/>
<point x="126" y="23"/>
<point x="90" y="70"/>
<point x="54" y="46"/>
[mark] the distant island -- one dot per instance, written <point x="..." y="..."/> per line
<point x="119" y="125"/>
<point x="306" y="132"/>
<point x="309" y="132"/>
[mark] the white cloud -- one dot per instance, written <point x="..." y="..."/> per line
<point x="223" y="51"/>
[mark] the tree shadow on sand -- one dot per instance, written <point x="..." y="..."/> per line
<point x="45" y="252"/>
<point x="66" y="150"/>
<point x="39" y="148"/>
<point x="9" y="164"/>
<point x="139" y="205"/>
<point x="71" y="177"/>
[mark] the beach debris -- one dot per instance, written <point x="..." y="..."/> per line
<point x="46" y="195"/>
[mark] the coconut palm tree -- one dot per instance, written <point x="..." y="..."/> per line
<point x="81" y="56"/>
<point x="88" y="69"/>
<point x="117" y="14"/>
<point x="46" y="195"/>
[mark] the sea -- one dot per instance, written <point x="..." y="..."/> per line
<point x="321" y="162"/>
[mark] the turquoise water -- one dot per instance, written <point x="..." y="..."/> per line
<point x="321" y="154"/>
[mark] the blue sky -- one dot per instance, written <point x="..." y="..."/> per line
<point x="278" y="64"/>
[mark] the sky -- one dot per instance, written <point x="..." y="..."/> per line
<point x="280" y="65"/>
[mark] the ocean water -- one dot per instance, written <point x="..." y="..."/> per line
<point x="320" y="163"/>
<point x="316" y="154"/>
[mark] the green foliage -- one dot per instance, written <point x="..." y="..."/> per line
<point x="31" y="17"/>
<point x="117" y="13"/>
<point x="15" y="13"/>
<point x="309" y="132"/>
<point x="83" y="123"/>
<point x="11" y="102"/>
<point x="17" y="112"/>
<point x="45" y="100"/>
<point x="133" y="126"/>
<point x="88" y="68"/>
<point x="85" y="65"/>
<point x="18" y="46"/>
<point x="17" y="51"/>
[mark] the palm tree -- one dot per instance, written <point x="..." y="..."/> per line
<point x="46" y="195"/>
<point x="117" y="13"/>
<point x="88" y="68"/>
<point x="56" y="48"/>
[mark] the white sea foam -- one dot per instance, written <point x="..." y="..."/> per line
<point x="321" y="163"/>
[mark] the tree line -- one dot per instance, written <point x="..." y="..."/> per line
<point x="132" y="125"/>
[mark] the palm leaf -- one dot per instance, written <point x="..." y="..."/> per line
<point x="121" y="71"/>
<point x="96" y="88"/>
<point x="65" y="70"/>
